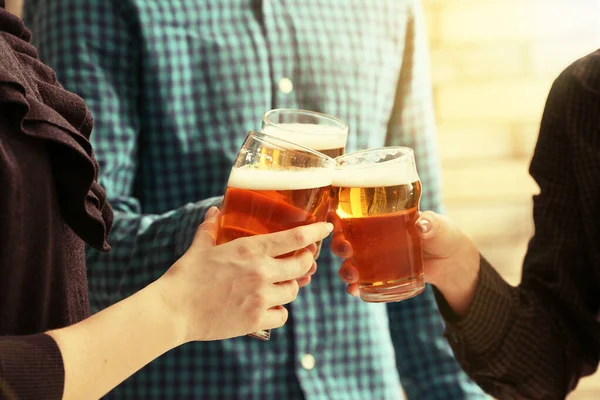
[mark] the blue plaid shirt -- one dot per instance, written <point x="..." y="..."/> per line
<point x="174" y="86"/>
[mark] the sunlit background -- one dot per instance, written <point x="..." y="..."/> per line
<point x="493" y="62"/>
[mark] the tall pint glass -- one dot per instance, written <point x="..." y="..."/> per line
<point x="376" y="198"/>
<point x="311" y="129"/>
<point x="274" y="185"/>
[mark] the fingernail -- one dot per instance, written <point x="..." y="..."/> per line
<point x="212" y="212"/>
<point x="329" y="227"/>
<point x="424" y="225"/>
<point x="348" y="275"/>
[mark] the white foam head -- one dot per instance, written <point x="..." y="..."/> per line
<point x="248" y="177"/>
<point x="313" y="136"/>
<point x="376" y="175"/>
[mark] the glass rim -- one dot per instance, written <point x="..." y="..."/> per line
<point x="304" y="112"/>
<point x="409" y="153"/>
<point x="265" y="137"/>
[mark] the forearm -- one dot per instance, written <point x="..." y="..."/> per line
<point x="143" y="248"/>
<point x="90" y="358"/>
<point x="459" y="285"/>
<point x="516" y="342"/>
<point x="105" y="349"/>
<point x="208" y="294"/>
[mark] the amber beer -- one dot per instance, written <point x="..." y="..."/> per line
<point x="274" y="185"/>
<point x="266" y="201"/>
<point x="317" y="131"/>
<point x="378" y="204"/>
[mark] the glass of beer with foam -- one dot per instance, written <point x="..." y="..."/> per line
<point x="311" y="129"/>
<point x="376" y="200"/>
<point x="274" y="185"/>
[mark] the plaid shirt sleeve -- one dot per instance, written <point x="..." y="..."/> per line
<point x="98" y="61"/>
<point x="427" y="367"/>
<point x="537" y="340"/>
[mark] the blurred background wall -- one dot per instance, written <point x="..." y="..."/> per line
<point x="493" y="62"/>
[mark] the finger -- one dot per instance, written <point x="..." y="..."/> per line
<point x="285" y="269"/>
<point x="273" y="318"/>
<point x="288" y="241"/>
<point x="317" y="251"/>
<point x="348" y="272"/>
<point x="282" y="293"/>
<point x="439" y="236"/>
<point x="305" y="281"/>
<point x="206" y="234"/>
<point x="340" y="246"/>
<point x="312" y="248"/>
<point x="335" y="220"/>
<point x="312" y="269"/>
<point x="353" y="290"/>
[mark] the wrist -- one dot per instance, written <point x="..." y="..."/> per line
<point x="168" y="308"/>
<point x="460" y="283"/>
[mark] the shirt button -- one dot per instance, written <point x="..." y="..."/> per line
<point x="308" y="362"/>
<point x="286" y="86"/>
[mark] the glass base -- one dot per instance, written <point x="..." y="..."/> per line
<point x="262" y="335"/>
<point x="388" y="292"/>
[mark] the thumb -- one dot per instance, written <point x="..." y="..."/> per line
<point x="206" y="235"/>
<point x="439" y="236"/>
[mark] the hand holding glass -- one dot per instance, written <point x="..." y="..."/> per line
<point x="376" y="203"/>
<point x="274" y="185"/>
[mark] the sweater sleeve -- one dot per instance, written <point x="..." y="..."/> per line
<point x="31" y="367"/>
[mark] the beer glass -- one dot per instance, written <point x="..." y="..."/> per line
<point x="311" y="129"/>
<point x="376" y="200"/>
<point x="274" y="185"/>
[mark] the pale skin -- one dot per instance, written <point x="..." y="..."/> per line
<point x="450" y="258"/>
<point x="211" y="293"/>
